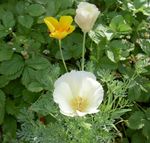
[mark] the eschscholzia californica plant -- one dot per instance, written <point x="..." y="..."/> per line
<point x="86" y="15"/>
<point x="59" y="30"/>
<point x="78" y="93"/>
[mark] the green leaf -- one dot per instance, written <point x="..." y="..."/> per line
<point x="8" y="19"/>
<point x="10" y="127"/>
<point x="119" y="50"/>
<point x="146" y="129"/>
<point x="12" y="66"/>
<point x="3" y="31"/>
<point x="28" y="76"/>
<point x="136" y="120"/>
<point x="118" y="24"/>
<point x="100" y="32"/>
<point x="44" y="105"/>
<point x="148" y="113"/>
<point x="4" y="80"/>
<point x="36" y="9"/>
<point x="138" y="138"/>
<point x="2" y="106"/>
<point x="25" y="20"/>
<point x="71" y="47"/>
<point x="35" y="87"/>
<point x="134" y="93"/>
<point x="118" y="113"/>
<point x="145" y="45"/>
<point x="38" y="63"/>
<point x="5" y="53"/>
<point x="10" y="107"/>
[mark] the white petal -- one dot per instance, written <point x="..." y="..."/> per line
<point x="62" y="95"/>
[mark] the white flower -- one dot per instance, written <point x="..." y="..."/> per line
<point x="78" y="93"/>
<point x="86" y="15"/>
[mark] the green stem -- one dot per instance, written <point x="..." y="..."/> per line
<point x="62" y="56"/>
<point x="83" y="50"/>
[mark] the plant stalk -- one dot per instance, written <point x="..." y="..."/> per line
<point x="62" y="56"/>
<point x="83" y="50"/>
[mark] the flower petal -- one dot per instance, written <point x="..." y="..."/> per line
<point x="65" y="22"/>
<point x="71" y="29"/>
<point x="62" y="95"/>
<point x="52" y="23"/>
<point x="58" y="35"/>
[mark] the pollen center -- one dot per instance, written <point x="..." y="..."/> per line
<point x="79" y="103"/>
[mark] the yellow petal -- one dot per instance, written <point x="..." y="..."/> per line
<point x="51" y="23"/>
<point x="65" y="22"/>
<point x="71" y="29"/>
<point x="59" y="35"/>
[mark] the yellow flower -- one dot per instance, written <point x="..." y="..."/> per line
<point x="59" y="29"/>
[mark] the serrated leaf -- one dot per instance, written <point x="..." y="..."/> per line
<point x="36" y="9"/>
<point x="3" y="31"/>
<point x="10" y="127"/>
<point x="136" y="120"/>
<point x="118" y="24"/>
<point x="35" y="87"/>
<point x="44" y="105"/>
<point x="12" y="66"/>
<point x="138" y="138"/>
<point x="146" y="129"/>
<point x="100" y="32"/>
<point x="10" y="107"/>
<point x="25" y="20"/>
<point x="2" y="106"/>
<point x="5" y="53"/>
<point x="38" y="63"/>
<point x="28" y="76"/>
<point x="4" y="80"/>
<point x="8" y="19"/>
<point x="145" y="45"/>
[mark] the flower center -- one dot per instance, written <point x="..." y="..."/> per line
<point x="79" y="103"/>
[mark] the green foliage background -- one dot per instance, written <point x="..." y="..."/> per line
<point x="117" y="51"/>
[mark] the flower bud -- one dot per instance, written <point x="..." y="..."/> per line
<point x="86" y="15"/>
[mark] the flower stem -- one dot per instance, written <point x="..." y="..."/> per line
<point x="62" y="56"/>
<point x="83" y="50"/>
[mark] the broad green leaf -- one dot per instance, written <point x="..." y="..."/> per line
<point x="20" y="7"/>
<point x="138" y="138"/>
<point x="134" y="93"/>
<point x="8" y="19"/>
<point x="145" y="45"/>
<point x="36" y="9"/>
<point x="4" y="80"/>
<point x="35" y="87"/>
<point x="12" y="66"/>
<point x="146" y="129"/>
<point x="10" y="107"/>
<point x="25" y="20"/>
<point x="38" y="63"/>
<point x="148" y="113"/>
<point x="3" y="31"/>
<point x="10" y="127"/>
<point x="28" y="96"/>
<point x="28" y="76"/>
<point x="119" y="50"/>
<point x="2" y="106"/>
<point x="44" y="105"/>
<point x="72" y="47"/>
<point x="118" y="24"/>
<point x="100" y="32"/>
<point x="136" y="120"/>
<point x="5" y="53"/>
